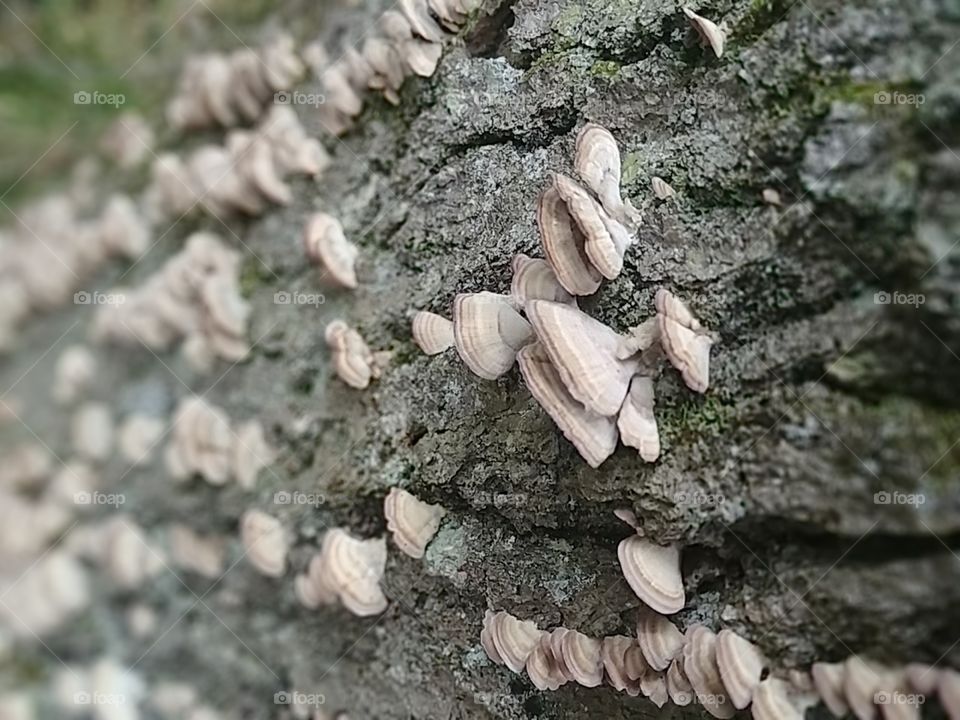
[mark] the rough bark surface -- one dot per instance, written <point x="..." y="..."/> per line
<point x="821" y="397"/>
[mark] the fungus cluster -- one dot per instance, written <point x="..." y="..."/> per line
<point x="194" y="298"/>
<point x="243" y="176"/>
<point x="346" y="569"/>
<point x="651" y="570"/>
<point x="265" y="542"/>
<point x="325" y="245"/>
<point x="723" y="672"/>
<point x="53" y="250"/>
<point x="205" y="444"/>
<point x="412" y="522"/>
<point x="227" y="90"/>
<point x="408" y="41"/>
<point x="596" y="384"/>
<point x="353" y="360"/>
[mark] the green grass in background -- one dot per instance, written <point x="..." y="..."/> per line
<point x="49" y="49"/>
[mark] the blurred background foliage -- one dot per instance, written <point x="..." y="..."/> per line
<point x="50" y="49"/>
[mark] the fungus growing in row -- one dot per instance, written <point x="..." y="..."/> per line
<point x="741" y="667"/>
<point x="661" y="188"/>
<point x="597" y="162"/>
<point x="488" y="332"/>
<point x="777" y="699"/>
<point x="700" y="667"/>
<point x="613" y="652"/>
<point x="225" y="90"/>
<point x="412" y="522"/>
<point x="659" y="639"/>
<point x="534" y="279"/>
<point x="347" y="569"/>
<point x="137" y="437"/>
<point x="708" y="31"/>
<point x="685" y="343"/>
<point x="353" y="360"/>
<point x="265" y="542"/>
<point x="543" y="668"/>
<point x="507" y="640"/>
<point x="594" y="436"/>
<point x="326" y="245"/>
<point x="433" y="333"/>
<point x="828" y="679"/>
<point x="581" y="656"/>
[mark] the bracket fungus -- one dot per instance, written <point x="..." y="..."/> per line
<point x="347" y="569"/>
<point x="581" y="656"/>
<point x="636" y="421"/>
<point x="661" y="188"/>
<point x="828" y="679"/>
<point x="325" y="244"/>
<point x="201" y="442"/>
<point x="709" y="32"/>
<point x="412" y="522"/>
<point x="488" y="332"/>
<point x="224" y="90"/>
<point x="659" y="639"/>
<point x="653" y="572"/>
<point x="509" y="641"/>
<point x="700" y="667"/>
<point x="741" y="667"/>
<point x="606" y="239"/>
<point x="594" y="436"/>
<point x="597" y="162"/>
<point x="353" y="360"/>
<point x="433" y="333"/>
<point x="685" y="343"/>
<point x="534" y="279"/>
<point x="584" y="351"/>
<point x="563" y="245"/>
<point x="265" y="542"/>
